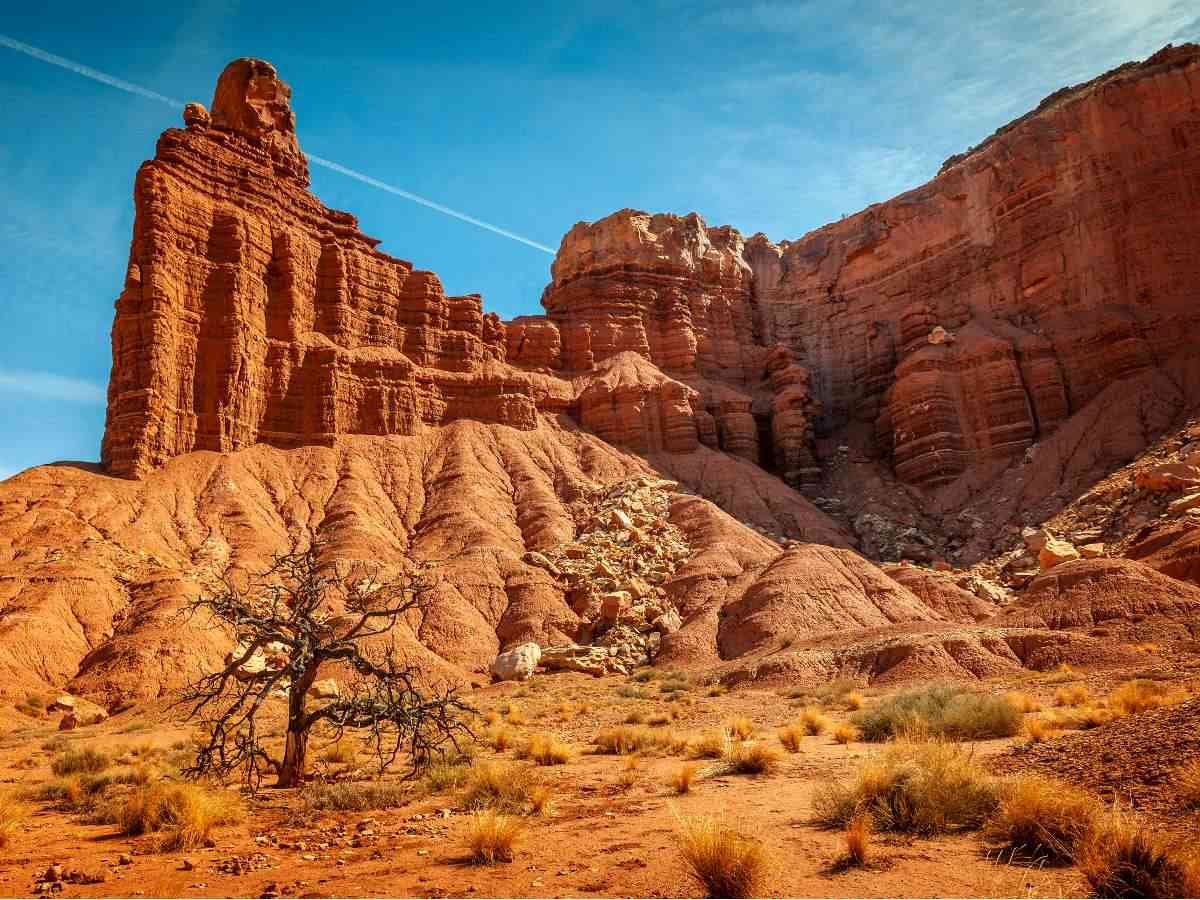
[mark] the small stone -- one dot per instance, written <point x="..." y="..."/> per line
<point x="124" y="860"/>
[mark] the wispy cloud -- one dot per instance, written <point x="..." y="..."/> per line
<point x="50" y="386"/>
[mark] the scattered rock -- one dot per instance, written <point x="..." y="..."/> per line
<point x="1056" y="551"/>
<point x="518" y="663"/>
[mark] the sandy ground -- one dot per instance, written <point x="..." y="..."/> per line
<point x="609" y="832"/>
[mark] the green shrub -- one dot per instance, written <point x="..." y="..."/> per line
<point x="85" y="759"/>
<point x="355" y="796"/>
<point x="939" y="711"/>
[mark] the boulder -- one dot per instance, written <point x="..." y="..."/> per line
<point x="1035" y="539"/>
<point x="613" y="604"/>
<point x="518" y="663"/>
<point x="667" y="623"/>
<point x="1092" y="551"/>
<point x="1184" y="503"/>
<point x="325" y="689"/>
<point x="595" y="661"/>
<point x="1055" y="551"/>
<point x="1170" y="477"/>
<point x="79" y="713"/>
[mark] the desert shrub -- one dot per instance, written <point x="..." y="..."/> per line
<point x="813" y="721"/>
<point x="12" y="813"/>
<point x="674" y="685"/>
<point x="740" y="728"/>
<point x="939" y="711"/>
<point x="491" y="717"/>
<point x="658" y="720"/>
<point x="545" y="750"/>
<point x="845" y="734"/>
<point x="56" y="744"/>
<point x="492" y="836"/>
<point x="855" y="700"/>
<point x="682" y="778"/>
<point x="716" y="690"/>
<point x="1138" y="696"/>
<point x="635" y="717"/>
<point x="1061" y="674"/>
<point x="86" y="759"/>
<point x="186" y="814"/>
<point x="750" y="758"/>
<point x="498" y="786"/>
<point x="1187" y="780"/>
<point x="1042" y="818"/>
<point x="791" y="736"/>
<point x="724" y="862"/>
<point x="858" y="840"/>
<point x="1121" y="858"/>
<point x="631" y="692"/>
<point x="926" y="787"/>
<point x="355" y="796"/>
<point x="1075" y="695"/>
<point x="644" y="675"/>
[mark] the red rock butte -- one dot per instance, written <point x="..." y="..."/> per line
<point x="932" y="373"/>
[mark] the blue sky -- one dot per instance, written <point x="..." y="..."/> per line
<point x="768" y="116"/>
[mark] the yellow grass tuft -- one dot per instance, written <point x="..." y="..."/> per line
<point x="681" y="780"/>
<point x="545" y="750"/>
<point x="623" y="739"/>
<point x="12" y="813"/>
<point x="1122" y="858"/>
<point x="855" y="700"/>
<point x="845" y="734"/>
<point x="1076" y="695"/>
<point x="740" y="728"/>
<point x="750" y="758"/>
<point x="1040" y="818"/>
<point x="858" y="840"/>
<point x="1187" y="779"/>
<point x="541" y="799"/>
<point x="813" y="720"/>
<point x="186" y="814"/>
<point x="724" y="862"/>
<point x="500" y="739"/>
<point x="492" y="836"/>
<point x="499" y="786"/>
<point x="1139" y="696"/>
<point x="710" y="745"/>
<point x="1023" y="702"/>
<point x="791" y="736"/>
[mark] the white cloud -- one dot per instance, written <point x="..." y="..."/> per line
<point x="49" y="386"/>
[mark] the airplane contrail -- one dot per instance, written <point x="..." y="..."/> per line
<point x="131" y="88"/>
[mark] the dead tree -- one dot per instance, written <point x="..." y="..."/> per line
<point x="298" y="617"/>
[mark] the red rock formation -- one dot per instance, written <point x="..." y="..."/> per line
<point x="1057" y="253"/>
<point x="252" y="313"/>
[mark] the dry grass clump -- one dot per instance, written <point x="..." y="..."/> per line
<point x="622" y="739"/>
<point x="1023" y="702"/>
<point x="681" y="780"/>
<point x="500" y="739"/>
<point x="812" y="720"/>
<point x="541" y="799"/>
<point x="845" y="734"/>
<point x="1063" y="673"/>
<point x="545" y="750"/>
<point x="710" y="745"/>
<point x="858" y="840"/>
<point x="1076" y="695"/>
<point x="740" y="728"/>
<point x="1040" y="730"/>
<point x="750" y="758"/>
<point x="941" y="711"/>
<point x="1040" y="818"/>
<point x="855" y="700"/>
<point x="1187" y="780"/>
<point x="491" y="836"/>
<point x="724" y="862"/>
<point x="660" y="720"/>
<point x="1138" y="696"/>
<point x="635" y="717"/>
<point x="355" y="796"/>
<point x="1121" y="858"/>
<point x="86" y="760"/>
<point x="186" y="814"/>
<point x="491" y="717"/>
<point x="500" y="786"/>
<point x="922" y="787"/>
<point x="12" y="813"/>
<point x="444" y="774"/>
<point x="791" y="736"/>
<point x="513" y="714"/>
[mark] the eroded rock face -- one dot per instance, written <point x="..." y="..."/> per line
<point x="252" y="313"/>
